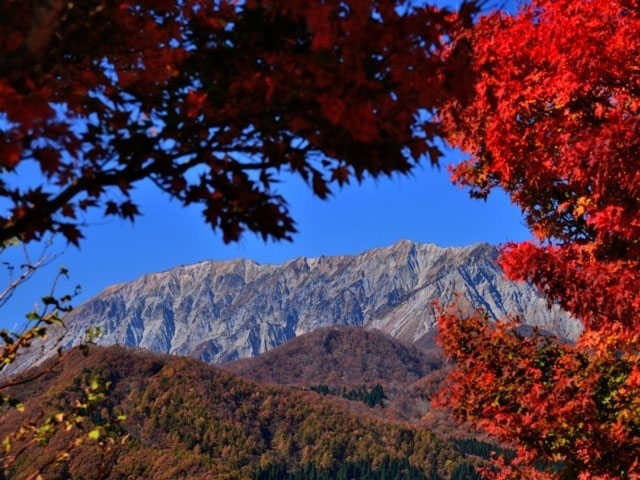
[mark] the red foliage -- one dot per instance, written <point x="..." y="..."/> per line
<point x="210" y="100"/>
<point x="553" y="402"/>
<point x="555" y="122"/>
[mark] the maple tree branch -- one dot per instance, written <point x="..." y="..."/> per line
<point x="54" y="459"/>
<point x="12" y="459"/>
<point x="45" y="20"/>
<point x="111" y="178"/>
<point x="16" y="228"/>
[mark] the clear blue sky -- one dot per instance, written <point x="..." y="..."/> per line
<point x="424" y="207"/>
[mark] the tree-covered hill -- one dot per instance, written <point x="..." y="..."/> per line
<point x="340" y="356"/>
<point x="186" y="419"/>
<point x="349" y="362"/>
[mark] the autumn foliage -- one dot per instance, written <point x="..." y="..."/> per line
<point x="555" y="123"/>
<point x="211" y="100"/>
<point x="186" y="419"/>
<point x="569" y="411"/>
<point x="214" y="100"/>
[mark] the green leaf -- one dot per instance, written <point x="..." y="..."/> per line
<point x="94" y="434"/>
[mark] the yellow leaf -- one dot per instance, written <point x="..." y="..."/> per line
<point x="581" y="206"/>
<point x="63" y="457"/>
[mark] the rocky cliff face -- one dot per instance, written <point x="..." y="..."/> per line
<point x="220" y="311"/>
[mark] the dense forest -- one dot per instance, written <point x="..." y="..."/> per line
<point x="186" y="419"/>
<point x="340" y="359"/>
<point x="465" y="471"/>
<point x="388" y="470"/>
<point x="472" y="446"/>
<point x="369" y="396"/>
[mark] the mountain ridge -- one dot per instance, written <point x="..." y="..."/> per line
<point x="225" y="310"/>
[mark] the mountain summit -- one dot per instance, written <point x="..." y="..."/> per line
<point x="221" y="311"/>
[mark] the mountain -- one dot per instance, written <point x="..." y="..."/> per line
<point x="222" y="311"/>
<point x="352" y="362"/>
<point x="340" y="356"/>
<point x="186" y="419"/>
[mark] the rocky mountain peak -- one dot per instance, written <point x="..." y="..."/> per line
<point x="223" y="310"/>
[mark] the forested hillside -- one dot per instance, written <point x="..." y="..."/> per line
<point x="186" y="419"/>
<point x="340" y="356"/>
<point x="350" y="362"/>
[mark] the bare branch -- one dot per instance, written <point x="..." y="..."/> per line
<point x="30" y="269"/>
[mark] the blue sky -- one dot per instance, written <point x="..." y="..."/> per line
<point x="424" y="207"/>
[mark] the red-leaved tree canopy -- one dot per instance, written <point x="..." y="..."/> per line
<point x="211" y="100"/>
<point x="555" y="123"/>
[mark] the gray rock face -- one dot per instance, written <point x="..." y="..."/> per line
<point x="220" y="311"/>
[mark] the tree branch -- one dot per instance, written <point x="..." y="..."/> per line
<point x="46" y="16"/>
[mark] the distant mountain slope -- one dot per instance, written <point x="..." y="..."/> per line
<point x="347" y="359"/>
<point x="189" y="420"/>
<point x="340" y="356"/>
<point x="239" y="309"/>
